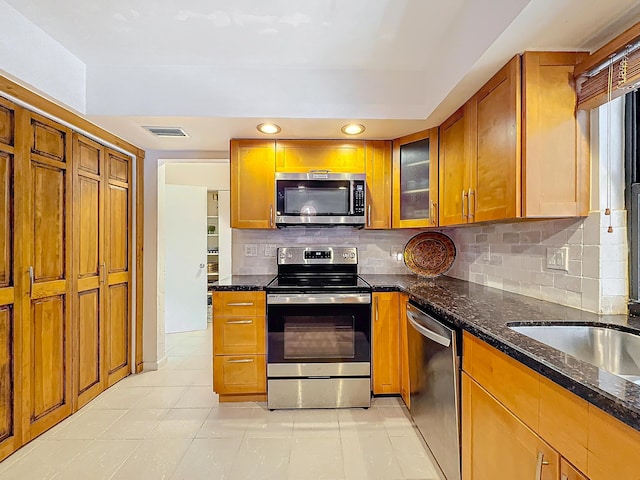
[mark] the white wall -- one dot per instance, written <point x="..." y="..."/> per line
<point x="31" y="57"/>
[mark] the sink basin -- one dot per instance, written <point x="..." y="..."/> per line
<point x="613" y="350"/>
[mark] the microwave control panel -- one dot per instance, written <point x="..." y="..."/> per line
<point x="358" y="197"/>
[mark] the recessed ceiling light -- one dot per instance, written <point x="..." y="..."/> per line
<point x="352" y="129"/>
<point x="269" y="128"/>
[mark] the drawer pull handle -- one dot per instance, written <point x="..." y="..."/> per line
<point x="244" y="360"/>
<point x="240" y="304"/>
<point x="239" y="322"/>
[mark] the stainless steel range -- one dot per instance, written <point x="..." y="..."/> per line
<point x="318" y="330"/>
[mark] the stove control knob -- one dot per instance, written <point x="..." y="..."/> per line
<point x="289" y="255"/>
<point x="352" y="255"/>
<point x="345" y="255"/>
<point x="282" y="254"/>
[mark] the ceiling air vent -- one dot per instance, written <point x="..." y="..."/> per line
<point x="167" y="131"/>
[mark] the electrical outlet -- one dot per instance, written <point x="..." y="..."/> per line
<point x="251" y="250"/>
<point x="270" y="250"/>
<point x="397" y="253"/>
<point x="558" y="258"/>
<point x="486" y="253"/>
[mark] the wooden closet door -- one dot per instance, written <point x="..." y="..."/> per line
<point x="9" y="326"/>
<point x="118" y="267"/>
<point x="88" y="268"/>
<point x="45" y="187"/>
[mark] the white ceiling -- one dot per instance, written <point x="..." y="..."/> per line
<point x="217" y="68"/>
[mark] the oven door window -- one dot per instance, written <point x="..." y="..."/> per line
<point x="313" y="197"/>
<point x="318" y="333"/>
<point x="307" y="338"/>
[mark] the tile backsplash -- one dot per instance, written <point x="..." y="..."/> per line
<point x="508" y="256"/>
<point x="374" y="247"/>
<point x="513" y="257"/>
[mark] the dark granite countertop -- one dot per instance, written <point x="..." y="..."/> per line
<point x="486" y="313"/>
<point x="242" y="283"/>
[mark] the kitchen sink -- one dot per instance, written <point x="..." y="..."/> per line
<point x="610" y="349"/>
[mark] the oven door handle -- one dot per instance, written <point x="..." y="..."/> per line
<point x="318" y="298"/>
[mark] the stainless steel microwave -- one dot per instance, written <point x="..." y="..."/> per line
<point x="320" y="198"/>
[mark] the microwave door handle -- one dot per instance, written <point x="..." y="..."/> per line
<point x="351" y="188"/>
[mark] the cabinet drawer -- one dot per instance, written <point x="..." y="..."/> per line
<point x="238" y="374"/>
<point x="231" y="304"/>
<point x="511" y="383"/>
<point x="238" y="335"/>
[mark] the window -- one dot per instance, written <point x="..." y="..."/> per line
<point x="632" y="195"/>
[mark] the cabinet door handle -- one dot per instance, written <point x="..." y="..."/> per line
<point x="271" y="215"/>
<point x="377" y="316"/>
<point x="464" y="194"/>
<point x="31" y="280"/>
<point x="435" y="214"/>
<point x="240" y="304"/>
<point x="369" y="216"/>
<point x="539" y="463"/>
<point x="471" y="192"/>
<point x="103" y="269"/>
<point x="239" y="322"/>
<point x="244" y="360"/>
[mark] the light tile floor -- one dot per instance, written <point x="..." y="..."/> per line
<point x="168" y="424"/>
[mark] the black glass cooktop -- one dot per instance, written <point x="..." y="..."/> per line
<point x="318" y="282"/>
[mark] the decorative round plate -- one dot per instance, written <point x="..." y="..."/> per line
<point x="429" y="254"/>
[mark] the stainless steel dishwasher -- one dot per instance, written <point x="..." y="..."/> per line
<point x="434" y="373"/>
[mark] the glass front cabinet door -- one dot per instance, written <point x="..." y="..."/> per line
<point x="415" y="180"/>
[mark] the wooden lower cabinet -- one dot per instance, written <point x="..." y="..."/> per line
<point x="498" y="445"/>
<point x="405" y="388"/>
<point x="239" y="374"/>
<point x="239" y="332"/>
<point x="508" y="411"/>
<point x="385" y="351"/>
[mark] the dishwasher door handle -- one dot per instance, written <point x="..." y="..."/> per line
<point x="436" y="337"/>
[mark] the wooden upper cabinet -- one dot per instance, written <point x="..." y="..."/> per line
<point x="336" y="156"/>
<point x="454" y="169"/>
<point x="378" y="169"/>
<point x="555" y="138"/>
<point x="252" y="183"/>
<point x="495" y="174"/>
<point x="415" y="180"/>
<point x="518" y="148"/>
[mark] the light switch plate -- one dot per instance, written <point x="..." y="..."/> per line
<point x="558" y="258"/>
<point x="486" y="253"/>
<point x="251" y="250"/>
<point x="270" y="250"/>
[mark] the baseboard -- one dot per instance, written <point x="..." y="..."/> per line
<point x="147" y="366"/>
